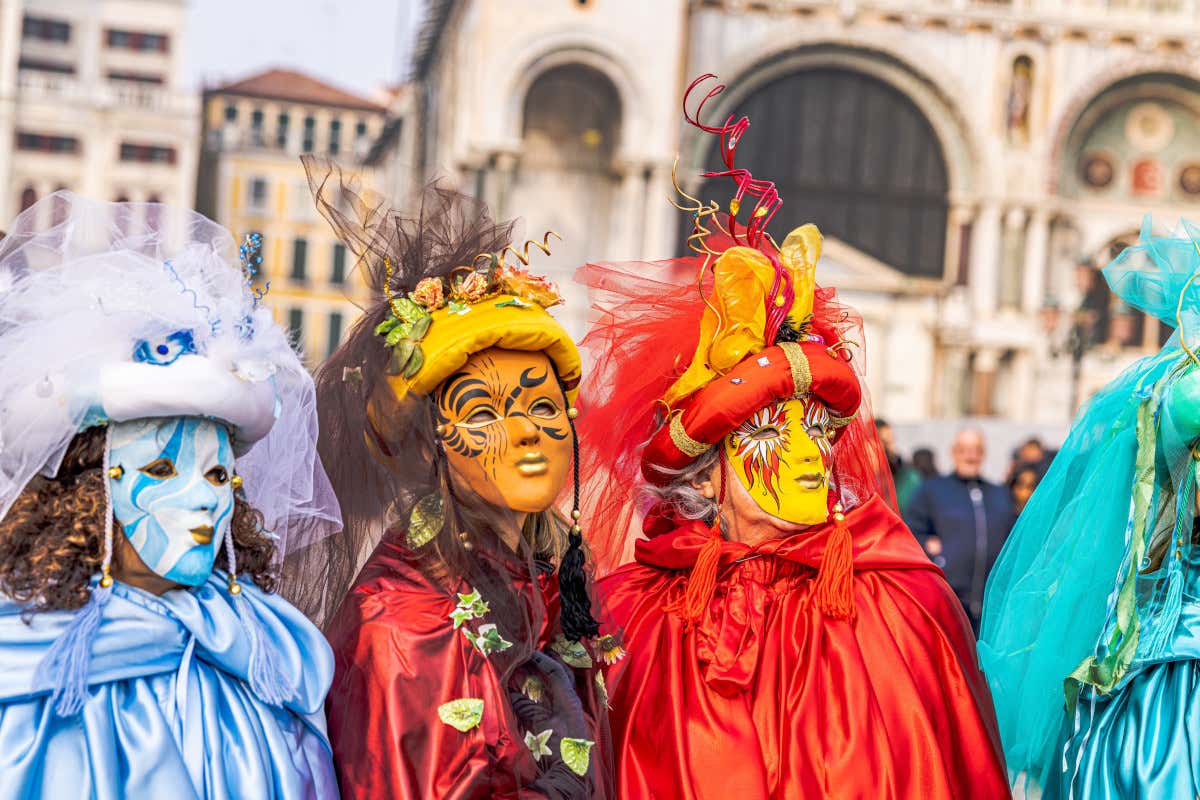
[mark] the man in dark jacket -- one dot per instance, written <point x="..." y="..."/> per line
<point x="962" y="521"/>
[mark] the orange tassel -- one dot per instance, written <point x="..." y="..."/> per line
<point x="835" y="578"/>
<point x="690" y="607"/>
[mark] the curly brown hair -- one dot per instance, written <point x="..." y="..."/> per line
<point x="52" y="539"/>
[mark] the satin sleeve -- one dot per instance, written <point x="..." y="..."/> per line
<point x="398" y="659"/>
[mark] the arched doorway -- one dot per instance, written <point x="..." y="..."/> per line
<point x="566" y="179"/>
<point x="853" y="154"/>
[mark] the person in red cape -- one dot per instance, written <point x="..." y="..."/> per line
<point x="786" y="636"/>
<point x="466" y="653"/>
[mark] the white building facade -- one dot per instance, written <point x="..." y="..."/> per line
<point x="963" y="157"/>
<point x="93" y="98"/>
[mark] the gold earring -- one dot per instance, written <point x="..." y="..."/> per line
<point x="236" y="481"/>
<point x="462" y="536"/>
<point x="572" y="412"/>
<point x="116" y="472"/>
<point x="439" y="429"/>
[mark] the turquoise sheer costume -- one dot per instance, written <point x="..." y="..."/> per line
<point x="1091" y="618"/>
<point x="170" y="712"/>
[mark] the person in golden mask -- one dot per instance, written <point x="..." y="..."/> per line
<point x="457" y="602"/>
<point x="786" y="636"/>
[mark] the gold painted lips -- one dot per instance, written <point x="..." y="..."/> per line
<point x="811" y="480"/>
<point x="203" y="534"/>
<point x="533" y="464"/>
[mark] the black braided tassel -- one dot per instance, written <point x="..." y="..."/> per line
<point x="577" y="620"/>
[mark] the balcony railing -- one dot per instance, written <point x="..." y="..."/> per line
<point x="34" y="85"/>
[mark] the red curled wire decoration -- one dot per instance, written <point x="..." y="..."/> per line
<point x="767" y="201"/>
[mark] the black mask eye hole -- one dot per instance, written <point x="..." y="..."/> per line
<point x="159" y="469"/>
<point x="544" y="409"/>
<point x="217" y="476"/>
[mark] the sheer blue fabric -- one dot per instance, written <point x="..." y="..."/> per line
<point x="1089" y="589"/>
<point x="169" y="712"/>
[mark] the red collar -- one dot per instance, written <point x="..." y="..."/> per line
<point x="879" y="538"/>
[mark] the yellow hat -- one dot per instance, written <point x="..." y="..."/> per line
<point x="444" y="321"/>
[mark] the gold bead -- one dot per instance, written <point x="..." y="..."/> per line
<point x="106" y="581"/>
<point x="234" y="587"/>
<point x="440" y="429"/>
<point x="116" y="472"/>
<point x="575" y="514"/>
<point x="576" y="529"/>
<point x="236" y="481"/>
<point x="572" y="412"/>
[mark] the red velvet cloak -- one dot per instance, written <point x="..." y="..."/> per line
<point x="766" y="698"/>
<point x="397" y="658"/>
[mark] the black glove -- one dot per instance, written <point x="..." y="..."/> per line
<point x="564" y="716"/>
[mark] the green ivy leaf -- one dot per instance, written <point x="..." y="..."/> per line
<point x="421" y="327"/>
<point x="537" y="743"/>
<point x="396" y="334"/>
<point x="409" y="310"/>
<point x="416" y="362"/>
<point x="384" y="327"/>
<point x="464" y="714"/>
<point x="426" y="521"/>
<point x="576" y="754"/>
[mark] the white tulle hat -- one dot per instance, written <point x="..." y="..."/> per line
<point x="121" y="311"/>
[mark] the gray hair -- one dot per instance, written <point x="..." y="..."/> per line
<point x="680" y="495"/>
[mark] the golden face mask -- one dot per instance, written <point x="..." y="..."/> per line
<point x="781" y="455"/>
<point x="505" y="428"/>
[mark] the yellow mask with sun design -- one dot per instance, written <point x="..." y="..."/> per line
<point x="781" y="455"/>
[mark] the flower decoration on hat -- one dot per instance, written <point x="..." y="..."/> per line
<point x="488" y="303"/>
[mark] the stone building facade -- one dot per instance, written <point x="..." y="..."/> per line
<point x="93" y="98"/>
<point x="970" y="161"/>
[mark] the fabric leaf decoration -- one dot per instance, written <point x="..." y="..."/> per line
<point x="538" y="743"/>
<point x="576" y="754"/>
<point x="573" y="654"/>
<point x="426" y="521"/>
<point x="488" y="639"/>
<point x="462" y="714"/>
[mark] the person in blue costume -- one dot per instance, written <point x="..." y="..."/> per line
<point x="1091" y="623"/>
<point x="157" y="455"/>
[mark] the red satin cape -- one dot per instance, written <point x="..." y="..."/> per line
<point x="397" y="658"/>
<point x="766" y="698"/>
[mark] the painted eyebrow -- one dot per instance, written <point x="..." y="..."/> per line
<point x="452" y="395"/>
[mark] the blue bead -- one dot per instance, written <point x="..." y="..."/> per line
<point x="162" y="349"/>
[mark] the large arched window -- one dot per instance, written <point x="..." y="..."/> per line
<point x="565" y="179"/>
<point x="855" y="156"/>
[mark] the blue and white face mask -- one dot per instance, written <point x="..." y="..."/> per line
<point x="174" y="498"/>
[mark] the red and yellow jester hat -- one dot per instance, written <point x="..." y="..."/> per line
<point x="663" y="389"/>
<point x="739" y="367"/>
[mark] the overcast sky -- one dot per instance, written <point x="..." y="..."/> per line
<point x="357" y="44"/>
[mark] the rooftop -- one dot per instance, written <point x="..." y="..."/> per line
<point x="286" y="84"/>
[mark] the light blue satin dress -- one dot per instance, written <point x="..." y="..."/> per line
<point x="170" y="713"/>
<point x="1143" y="741"/>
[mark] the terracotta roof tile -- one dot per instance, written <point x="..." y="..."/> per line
<point x="286" y="84"/>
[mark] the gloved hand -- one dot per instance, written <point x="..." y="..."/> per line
<point x="563" y="716"/>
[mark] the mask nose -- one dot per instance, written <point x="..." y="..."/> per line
<point x="523" y="433"/>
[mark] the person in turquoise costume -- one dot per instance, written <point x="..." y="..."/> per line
<point x="157" y="456"/>
<point x="1091" y="622"/>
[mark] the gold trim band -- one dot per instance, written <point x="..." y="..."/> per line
<point x="840" y="422"/>
<point x="686" y="444"/>
<point x="801" y="374"/>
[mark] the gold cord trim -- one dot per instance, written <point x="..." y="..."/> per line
<point x="801" y="374"/>
<point x="686" y="444"/>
